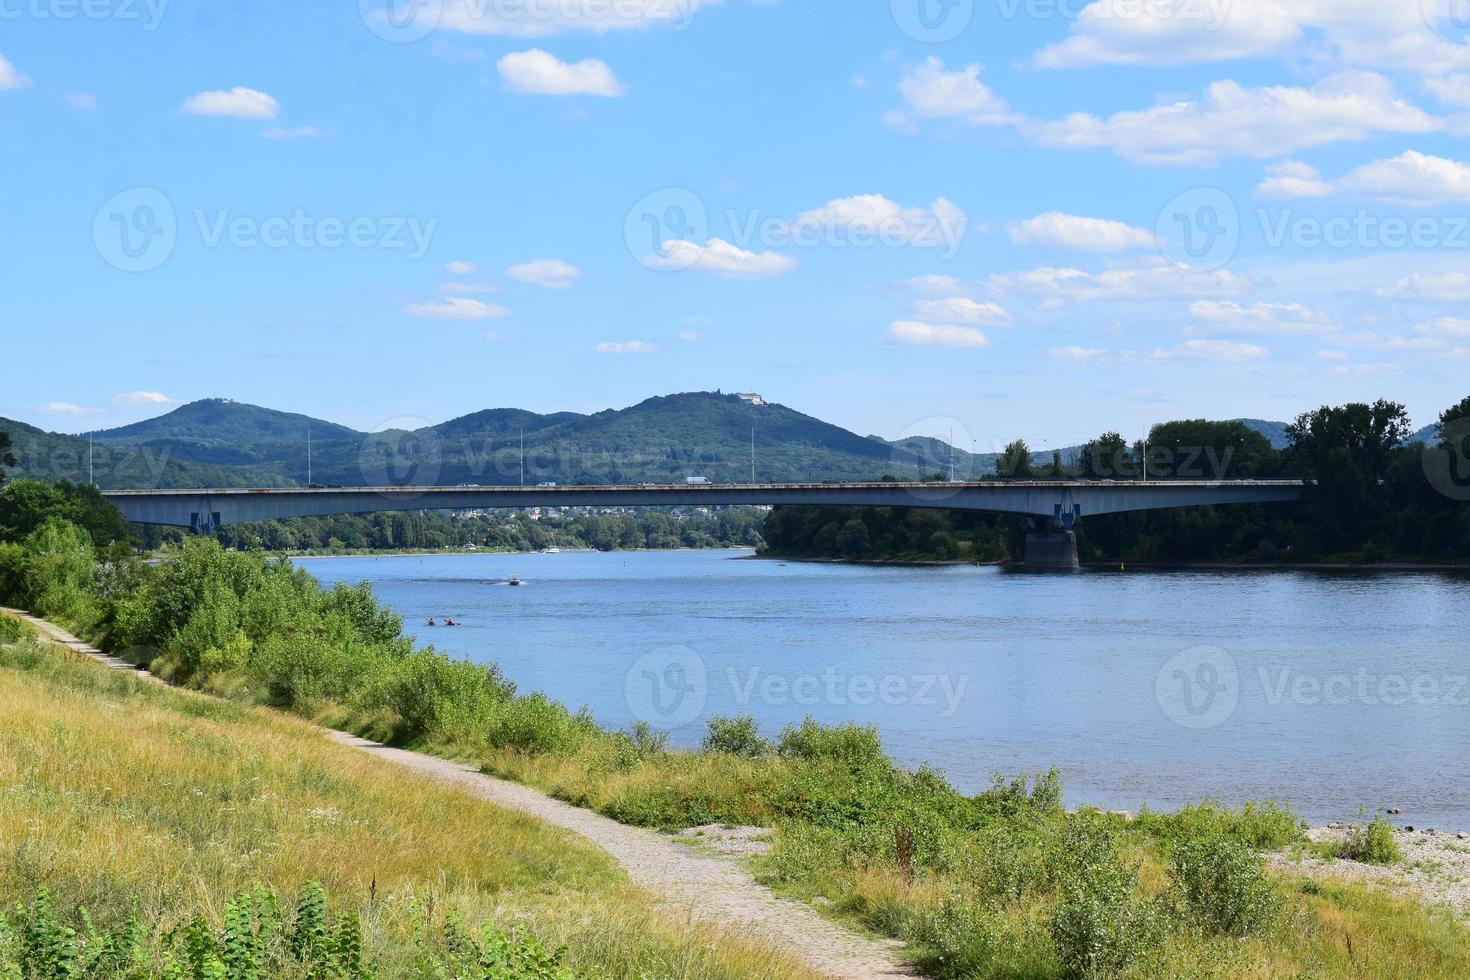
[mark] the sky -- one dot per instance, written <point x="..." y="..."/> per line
<point x="998" y="218"/>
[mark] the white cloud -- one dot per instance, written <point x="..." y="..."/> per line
<point x="1264" y="317"/>
<point x="145" y="398"/>
<point x="10" y="76"/>
<point x="1232" y="120"/>
<point x="304" y="132"/>
<point x="627" y="347"/>
<point x="1068" y="231"/>
<point x="541" y="18"/>
<point x="874" y="219"/>
<point x="457" y="308"/>
<point x="460" y="268"/>
<point x="1332" y="355"/>
<point x="67" y="408"/>
<point x="237" y="103"/>
<point x="1171" y="32"/>
<point x="1077" y="353"/>
<point x="82" y="100"/>
<point x="1411" y="178"/>
<point x="690" y="336"/>
<point x="931" y="92"/>
<point x="1224" y="351"/>
<point x="720" y="257"/>
<point x="961" y="309"/>
<point x="1448" y="286"/>
<point x="467" y="288"/>
<point x="1293" y="179"/>
<point x="934" y="285"/>
<point x="535" y="72"/>
<point x="911" y="333"/>
<point x="1445" y="326"/>
<point x="546" y="273"/>
<point x="1161" y="281"/>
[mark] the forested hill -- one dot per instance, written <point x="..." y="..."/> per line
<point x="218" y="442"/>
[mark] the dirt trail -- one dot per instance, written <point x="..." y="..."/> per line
<point x="703" y="887"/>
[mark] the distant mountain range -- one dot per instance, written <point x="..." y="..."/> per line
<point x="223" y="443"/>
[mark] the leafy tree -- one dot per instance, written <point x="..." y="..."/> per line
<point x="1202" y="450"/>
<point x="1108" y="458"/>
<point x="1458" y="412"/>
<point x="25" y="505"/>
<point x="6" y="457"/>
<point x="1014" y="462"/>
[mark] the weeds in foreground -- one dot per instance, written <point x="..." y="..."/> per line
<point x="257" y="940"/>
<point x="1370" y="843"/>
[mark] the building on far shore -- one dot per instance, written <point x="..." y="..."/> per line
<point x="750" y="398"/>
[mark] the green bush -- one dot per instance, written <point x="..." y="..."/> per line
<point x="735" y="736"/>
<point x="1100" y="927"/>
<point x="10" y="630"/>
<point x="1370" y="843"/>
<point x="857" y="746"/>
<point x="1223" y="887"/>
<point x="1038" y="793"/>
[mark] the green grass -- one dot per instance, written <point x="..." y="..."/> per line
<point x="124" y="798"/>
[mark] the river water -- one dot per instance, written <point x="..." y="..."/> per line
<point x="1332" y="692"/>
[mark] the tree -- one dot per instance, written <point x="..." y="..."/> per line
<point x="25" y="505"/>
<point x="1357" y="437"/>
<point x="1202" y="450"/>
<point x="1448" y="439"/>
<point x="1108" y="458"/>
<point x="6" y="457"/>
<point x="1014" y="462"/>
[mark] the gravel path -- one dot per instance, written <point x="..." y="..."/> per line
<point x="703" y="887"/>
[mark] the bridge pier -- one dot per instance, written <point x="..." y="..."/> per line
<point x="1051" y="551"/>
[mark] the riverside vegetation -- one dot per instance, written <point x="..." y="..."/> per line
<point x="1006" y="883"/>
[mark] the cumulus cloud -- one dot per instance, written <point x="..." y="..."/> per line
<point x="458" y="267"/>
<point x="67" y="408"/>
<point x="873" y="219"/>
<point x="1068" y="231"/>
<point x="720" y="257"/>
<point x="535" y="72"/>
<point x="145" y="398"/>
<point x="1224" y="351"/>
<point x="1074" y="353"/>
<point x="627" y="347"/>
<point x="10" y="76"/>
<point x="546" y="273"/>
<point x="1445" y="326"/>
<point x="542" y="18"/>
<point x="934" y="285"/>
<point x="932" y="92"/>
<point x="1263" y="317"/>
<point x="1172" y="32"/>
<point x="961" y="309"/>
<point x="1232" y="120"/>
<point x="457" y="308"/>
<point x="1161" y="281"/>
<point x="1293" y="179"/>
<point x="237" y="103"/>
<point x="912" y="333"/>
<point x="1447" y="286"/>
<point x="1411" y="178"/>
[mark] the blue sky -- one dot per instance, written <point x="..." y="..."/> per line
<point x="1033" y="217"/>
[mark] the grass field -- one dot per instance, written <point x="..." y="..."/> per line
<point x="116" y="794"/>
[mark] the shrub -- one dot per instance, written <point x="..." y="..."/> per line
<point x="432" y="694"/>
<point x="1223" y="886"/>
<point x="1100" y="926"/>
<point x="857" y="746"/>
<point x="735" y="736"/>
<point x="10" y="630"/>
<point x="1039" y="792"/>
<point x="1370" y="843"/>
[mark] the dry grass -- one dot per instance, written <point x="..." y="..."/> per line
<point x="115" y="792"/>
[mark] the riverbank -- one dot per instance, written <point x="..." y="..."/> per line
<point x="1148" y="566"/>
<point x="154" y="806"/>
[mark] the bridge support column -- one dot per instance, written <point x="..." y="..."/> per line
<point x="1051" y="551"/>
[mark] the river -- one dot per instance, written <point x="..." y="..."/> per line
<point x="1330" y="691"/>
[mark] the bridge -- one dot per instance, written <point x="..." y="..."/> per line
<point x="1053" y="507"/>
